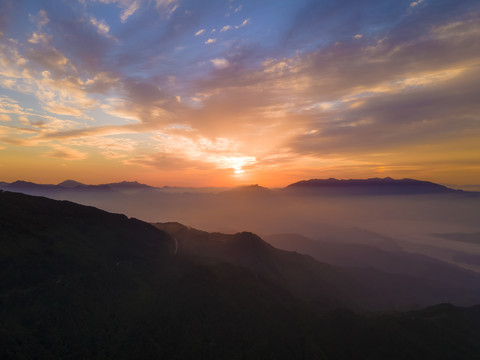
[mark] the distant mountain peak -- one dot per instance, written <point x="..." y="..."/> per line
<point x="22" y="182"/>
<point x="248" y="243"/>
<point x="249" y="189"/>
<point x="70" y="184"/>
<point x="370" y="186"/>
<point x="128" y="185"/>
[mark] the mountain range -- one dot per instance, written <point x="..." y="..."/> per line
<point x="78" y="282"/>
<point x="372" y="186"/>
<point x="384" y="213"/>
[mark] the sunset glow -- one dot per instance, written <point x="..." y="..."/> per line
<point x="233" y="92"/>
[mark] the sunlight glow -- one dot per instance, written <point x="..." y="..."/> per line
<point x="237" y="163"/>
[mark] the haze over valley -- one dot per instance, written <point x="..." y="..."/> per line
<point x="411" y="215"/>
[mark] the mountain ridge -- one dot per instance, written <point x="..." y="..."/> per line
<point x="387" y="185"/>
<point x="311" y="279"/>
<point x="371" y="186"/>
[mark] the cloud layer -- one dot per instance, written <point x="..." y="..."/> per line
<point x="242" y="91"/>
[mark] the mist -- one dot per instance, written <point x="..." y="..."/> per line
<point x="414" y="223"/>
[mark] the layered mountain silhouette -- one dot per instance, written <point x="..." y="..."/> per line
<point x="389" y="260"/>
<point x="71" y="187"/>
<point x="70" y="184"/>
<point x="78" y="282"/>
<point x="372" y="186"/>
<point x="473" y="238"/>
<point x="370" y="278"/>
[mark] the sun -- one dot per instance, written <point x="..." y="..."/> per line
<point x="237" y="169"/>
<point x="237" y="163"/>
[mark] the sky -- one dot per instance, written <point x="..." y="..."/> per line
<point x="235" y="92"/>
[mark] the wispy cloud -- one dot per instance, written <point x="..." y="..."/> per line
<point x="101" y="26"/>
<point x="65" y="153"/>
<point x="415" y="3"/>
<point x="244" y="23"/>
<point x="220" y="63"/>
<point x="129" y="7"/>
<point x="5" y="117"/>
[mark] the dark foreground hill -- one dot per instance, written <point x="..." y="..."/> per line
<point x="80" y="283"/>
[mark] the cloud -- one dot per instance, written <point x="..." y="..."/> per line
<point x="167" y="6"/>
<point x="409" y="80"/>
<point x="433" y="111"/>
<point x="102" y="83"/>
<point x="129" y="7"/>
<point x="101" y="26"/>
<point x="350" y="97"/>
<point x="244" y="23"/>
<point x="223" y="153"/>
<point x="65" y="153"/>
<point x="111" y="147"/>
<point x="37" y="38"/>
<point x="44" y="71"/>
<point x="24" y="120"/>
<point x="80" y="37"/>
<point x="129" y="10"/>
<point x="83" y="132"/>
<point x="220" y="63"/>
<point x="167" y="162"/>
<point x="41" y="19"/>
<point x="415" y="3"/>
<point x="30" y="117"/>
<point x="11" y="106"/>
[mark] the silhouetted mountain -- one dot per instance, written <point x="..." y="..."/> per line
<point x="26" y="187"/>
<point x="301" y="275"/>
<point x="374" y="186"/>
<point x="385" y="287"/>
<point x="356" y="235"/>
<point x="466" y="258"/>
<point x="64" y="189"/>
<point x="76" y="191"/>
<point x="473" y="238"/>
<point x="128" y="186"/>
<point x="80" y="283"/>
<point x="69" y="184"/>
<point x="396" y="262"/>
